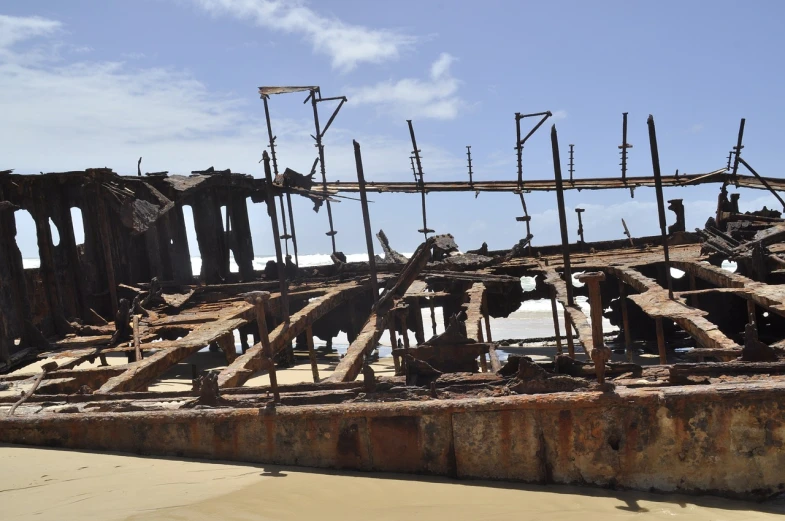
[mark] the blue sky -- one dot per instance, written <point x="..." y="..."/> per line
<point x="89" y="83"/>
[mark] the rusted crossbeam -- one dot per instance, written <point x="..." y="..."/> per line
<point x="349" y="367"/>
<point x="251" y="361"/>
<point x="653" y="300"/>
<point x="141" y="373"/>
<point x="544" y="185"/>
<point x="575" y="317"/>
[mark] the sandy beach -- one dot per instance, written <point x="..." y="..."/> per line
<point x="49" y="484"/>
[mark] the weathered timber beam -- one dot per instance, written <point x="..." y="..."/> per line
<point x="142" y="372"/>
<point x="573" y="313"/>
<point x="474" y="298"/>
<point x="727" y="368"/>
<point x="476" y="313"/>
<point x="769" y="296"/>
<point x="349" y="366"/>
<point x="251" y="361"/>
<point x="653" y="300"/>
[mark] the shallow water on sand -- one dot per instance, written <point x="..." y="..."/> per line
<point x="48" y="484"/>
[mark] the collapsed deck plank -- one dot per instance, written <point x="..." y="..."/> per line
<point x="769" y="296"/>
<point x="141" y="373"/>
<point x="653" y="300"/>
<point x="474" y="307"/>
<point x="349" y="366"/>
<point x="574" y="313"/>
<point x="251" y="361"/>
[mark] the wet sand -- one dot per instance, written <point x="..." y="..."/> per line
<point x="48" y="484"/>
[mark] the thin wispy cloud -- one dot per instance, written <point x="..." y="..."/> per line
<point x="435" y="97"/>
<point x="15" y="29"/>
<point x="347" y="45"/>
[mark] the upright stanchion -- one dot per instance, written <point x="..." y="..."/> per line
<point x="358" y="160"/>
<point x="655" y="163"/>
<point x="425" y="230"/>
<point x="268" y="175"/>
<point x="565" y="241"/>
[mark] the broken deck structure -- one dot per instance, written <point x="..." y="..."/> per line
<point x="703" y="415"/>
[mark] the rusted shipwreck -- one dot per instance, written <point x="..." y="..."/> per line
<point x="705" y="416"/>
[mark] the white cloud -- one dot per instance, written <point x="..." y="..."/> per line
<point x="696" y="128"/>
<point x="347" y="45"/>
<point x="559" y="114"/>
<point x="435" y="97"/>
<point x="93" y="113"/>
<point x="14" y="29"/>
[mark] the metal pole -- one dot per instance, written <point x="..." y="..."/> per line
<point x="278" y="255"/>
<point x="469" y="157"/>
<point x="556" y="321"/>
<point x="565" y="242"/>
<point x="599" y="353"/>
<point x="579" y="211"/>
<point x="259" y="302"/>
<point x="291" y="221"/>
<point x="625" y="321"/>
<point x="738" y="147"/>
<point x="425" y="231"/>
<point x="624" y="146"/>
<point x="572" y="164"/>
<point x="367" y="221"/>
<point x="519" y="147"/>
<point x="655" y="164"/>
<point x="312" y="354"/>
<point x="275" y="165"/>
<point x="320" y="147"/>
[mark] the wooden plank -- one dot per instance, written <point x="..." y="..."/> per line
<point x="653" y="300"/>
<point x="141" y="373"/>
<point x="573" y="314"/>
<point x="349" y="366"/>
<point x="251" y="361"/>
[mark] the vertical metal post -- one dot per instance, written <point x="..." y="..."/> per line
<point x="271" y="138"/>
<point x="469" y="159"/>
<point x="661" y="341"/>
<point x="625" y="321"/>
<point x="137" y="343"/>
<point x="599" y="353"/>
<point x="320" y="147"/>
<point x="312" y="354"/>
<point x="285" y="235"/>
<point x="264" y="338"/>
<point x="738" y="147"/>
<point x="405" y="335"/>
<point x="433" y="315"/>
<point x="519" y="148"/>
<point x="655" y="163"/>
<point x="555" y="312"/>
<point x="579" y="211"/>
<point x="393" y="342"/>
<point x="425" y="231"/>
<point x="568" y="334"/>
<point x="291" y="222"/>
<point x="624" y="146"/>
<point x="565" y="242"/>
<point x="268" y="175"/>
<point x="572" y="163"/>
<point x="358" y="160"/>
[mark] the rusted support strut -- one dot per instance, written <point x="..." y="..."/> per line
<point x="600" y="353"/>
